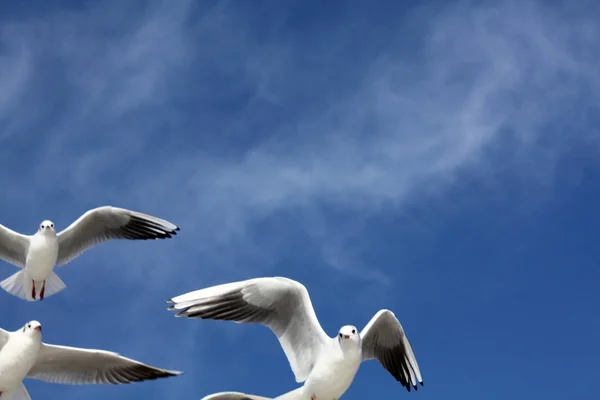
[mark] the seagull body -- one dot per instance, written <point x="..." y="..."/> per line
<point x="334" y="370"/>
<point x="38" y="254"/>
<point x="42" y="254"/>
<point x="17" y="357"/>
<point x="326" y="366"/>
<point x="24" y="355"/>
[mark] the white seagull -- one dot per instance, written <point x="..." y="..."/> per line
<point x="24" y="355"/>
<point x="38" y="254"/>
<point x="327" y="366"/>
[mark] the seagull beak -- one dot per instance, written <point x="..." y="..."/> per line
<point x="347" y="336"/>
<point x="38" y="328"/>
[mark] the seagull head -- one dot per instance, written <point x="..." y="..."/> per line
<point x="47" y="227"/>
<point x="32" y="328"/>
<point x="347" y="335"/>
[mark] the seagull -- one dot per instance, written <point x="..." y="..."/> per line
<point x="24" y="355"/>
<point x="325" y="365"/>
<point x="38" y="254"/>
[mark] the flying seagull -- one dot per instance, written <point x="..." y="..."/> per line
<point x="24" y="355"/>
<point x="38" y="254"/>
<point x="327" y="366"/>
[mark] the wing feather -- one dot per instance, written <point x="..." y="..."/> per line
<point x="74" y="366"/>
<point x="384" y="340"/>
<point x="105" y="223"/>
<point x="279" y="303"/>
<point x="13" y="246"/>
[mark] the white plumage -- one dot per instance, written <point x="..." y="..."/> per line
<point x="24" y="355"/>
<point x="327" y="366"/>
<point x="38" y="254"/>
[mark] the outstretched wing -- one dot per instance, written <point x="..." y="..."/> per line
<point x="384" y="339"/>
<point x="105" y="223"/>
<point x="279" y="303"/>
<point x="74" y="366"/>
<point x="13" y="246"/>
<point x="234" y="396"/>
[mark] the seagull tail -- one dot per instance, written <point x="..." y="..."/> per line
<point x="18" y="284"/>
<point x="53" y="285"/>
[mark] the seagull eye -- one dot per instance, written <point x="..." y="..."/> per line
<point x="51" y="225"/>
<point x="353" y="331"/>
<point x="340" y="335"/>
<point x="29" y="326"/>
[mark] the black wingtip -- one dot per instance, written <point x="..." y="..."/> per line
<point x="140" y="228"/>
<point x="181" y="314"/>
<point x="422" y="384"/>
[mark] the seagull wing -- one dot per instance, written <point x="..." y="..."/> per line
<point x="105" y="223"/>
<point x="383" y="339"/>
<point x="13" y="246"/>
<point x="279" y="303"/>
<point x="234" y="396"/>
<point x="74" y="366"/>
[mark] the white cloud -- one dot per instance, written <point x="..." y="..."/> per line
<point x="192" y="115"/>
<point x="475" y="80"/>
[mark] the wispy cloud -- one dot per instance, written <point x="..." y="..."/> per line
<point x="269" y="150"/>
<point x="481" y="89"/>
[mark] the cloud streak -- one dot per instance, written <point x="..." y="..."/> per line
<point x="270" y="143"/>
<point x="480" y="90"/>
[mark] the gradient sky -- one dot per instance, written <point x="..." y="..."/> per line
<point x="439" y="159"/>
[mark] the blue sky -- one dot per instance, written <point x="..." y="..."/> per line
<point x="439" y="159"/>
